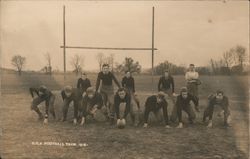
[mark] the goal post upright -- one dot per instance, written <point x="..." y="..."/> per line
<point x="64" y="45"/>
<point x="108" y="48"/>
<point x="152" y="71"/>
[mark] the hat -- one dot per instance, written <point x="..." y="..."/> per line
<point x="68" y="89"/>
<point x="183" y="89"/>
<point x="161" y="94"/>
<point x="90" y="90"/>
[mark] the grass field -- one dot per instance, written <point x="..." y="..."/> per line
<point x="20" y="127"/>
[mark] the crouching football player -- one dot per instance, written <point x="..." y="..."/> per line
<point x="90" y="103"/>
<point x="70" y="94"/>
<point x="217" y="100"/>
<point x="122" y="96"/>
<point x="43" y="94"/>
<point x="153" y="104"/>
<point x="183" y="102"/>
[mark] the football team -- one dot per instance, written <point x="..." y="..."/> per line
<point x="87" y="100"/>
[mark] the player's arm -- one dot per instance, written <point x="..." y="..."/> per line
<point x="99" y="102"/>
<point x="89" y="83"/>
<point x="159" y="84"/>
<point x="127" y="108"/>
<point x="123" y="82"/>
<point x="63" y="94"/>
<point x="165" y="112"/>
<point x="98" y="82"/>
<point x="79" y="83"/>
<point x="133" y="85"/>
<point x="32" y="91"/>
<point x="172" y="84"/>
<point x="117" y="108"/>
<point x="195" y="101"/>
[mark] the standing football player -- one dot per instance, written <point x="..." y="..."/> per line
<point x="128" y="83"/>
<point x="192" y="78"/>
<point x="43" y="94"/>
<point x="107" y="89"/>
<point x="83" y="83"/>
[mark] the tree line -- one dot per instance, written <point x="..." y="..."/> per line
<point x="231" y="62"/>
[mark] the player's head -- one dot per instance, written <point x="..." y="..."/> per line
<point x="84" y="75"/>
<point x="68" y="90"/>
<point x="127" y="74"/>
<point x="42" y="89"/>
<point x="166" y="73"/>
<point x="160" y="96"/>
<point x="191" y="67"/>
<point x="121" y="92"/>
<point x="219" y="94"/>
<point x="105" y="68"/>
<point x="90" y="92"/>
<point x="184" y="92"/>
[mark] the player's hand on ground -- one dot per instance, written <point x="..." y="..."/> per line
<point x="82" y="121"/>
<point x="197" y="109"/>
<point x="210" y="124"/>
<point x="167" y="126"/>
<point x="180" y="126"/>
<point x="74" y="121"/>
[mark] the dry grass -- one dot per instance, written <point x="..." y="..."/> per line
<point x="20" y="127"/>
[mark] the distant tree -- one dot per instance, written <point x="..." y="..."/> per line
<point x="129" y="65"/>
<point x="77" y="62"/>
<point x="228" y="59"/>
<point x="18" y="62"/>
<point x="48" y="65"/>
<point x="172" y="68"/>
<point x="110" y="60"/>
<point x="100" y="58"/>
<point x="240" y="56"/>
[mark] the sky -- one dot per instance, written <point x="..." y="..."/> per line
<point x="185" y="31"/>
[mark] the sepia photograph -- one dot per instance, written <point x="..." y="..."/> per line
<point x="107" y="79"/>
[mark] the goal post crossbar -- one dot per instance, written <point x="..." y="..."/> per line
<point x="104" y="48"/>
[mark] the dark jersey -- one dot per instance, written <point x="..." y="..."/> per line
<point x="128" y="83"/>
<point x="151" y="105"/>
<point x="118" y="101"/>
<point x="186" y="101"/>
<point x="166" y="83"/>
<point x="75" y="96"/>
<point x="83" y="84"/>
<point x="106" y="79"/>
<point x="42" y="93"/>
<point x="213" y="101"/>
<point x="96" y="100"/>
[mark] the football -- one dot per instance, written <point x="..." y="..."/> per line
<point x="121" y="123"/>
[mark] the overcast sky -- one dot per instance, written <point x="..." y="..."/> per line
<point x="185" y="31"/>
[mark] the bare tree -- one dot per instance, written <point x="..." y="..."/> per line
<point x="18" y="62"/>
<point x="240" y="54"/>
<point x="110" y="60"/>
<point x="228" y="59"/>
<point x="48" y="65"/>
<point x="77" y="62"/>
<point x="100" y="58"/>
<point x="129" y="65"/>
